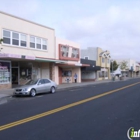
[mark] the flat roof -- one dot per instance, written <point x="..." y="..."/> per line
<point x="25" y="20"/>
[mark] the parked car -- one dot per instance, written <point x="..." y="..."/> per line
<point x="34" y="87"/>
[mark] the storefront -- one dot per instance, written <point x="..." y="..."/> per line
<point x="5" y="74"/>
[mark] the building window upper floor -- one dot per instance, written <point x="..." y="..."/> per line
<point x="65" y="51"/>
<point x="20" y="39"/>
<point x="75" y="53"/>
<point x="103" y="60"/>
<point x="38" y="43"/>
<point x="68" y="53"/>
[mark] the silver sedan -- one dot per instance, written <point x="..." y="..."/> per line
<point x="34" y="87"/>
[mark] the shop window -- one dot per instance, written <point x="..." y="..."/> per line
<point x="65" y="51"/>
<point x="75" y="53"/>
<point x="44" y="44"/>
<point x="6" y="37"/>
<point x="32" y="42"/>
<point x="23" y="40"/>
<point x="25" y="73"/>
<point x="66" y="73"/>
<point x="38" y="43"/>
<point x="4" y="72"/>
<point x="15" y="39"/>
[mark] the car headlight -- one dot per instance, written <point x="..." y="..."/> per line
<point x="25" y="89"/>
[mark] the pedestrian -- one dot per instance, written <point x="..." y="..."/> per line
<point x="75" y="77"/>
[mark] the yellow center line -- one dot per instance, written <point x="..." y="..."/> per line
<point x="6" y="126"/>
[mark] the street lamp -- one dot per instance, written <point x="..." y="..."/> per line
<point x="112" y="70"/>
<point x="112" y="65"/>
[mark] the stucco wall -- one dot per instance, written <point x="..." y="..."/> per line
<point x="22" y="26"/>
<point x="65" y="42"/>
<point x="91" y="52"/>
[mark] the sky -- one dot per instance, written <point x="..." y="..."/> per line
<point x="112" y="25"/>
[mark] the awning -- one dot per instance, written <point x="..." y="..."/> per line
<point x="74" y="64"/>
<point x="49" y="60"/>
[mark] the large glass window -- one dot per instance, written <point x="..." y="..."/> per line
<point x="32" y="42"/>
<point x="23" y="40"/>
<point x="66" y="73"/>
<point x="15" y="38"/>
<point x="6" y="37"/>
<point x="4" y="72"/>
<point x="38" y="41"/>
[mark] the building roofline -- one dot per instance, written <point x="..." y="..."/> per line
<point x="25" y="20"/>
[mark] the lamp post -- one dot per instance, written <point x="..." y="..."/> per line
<point x="113" y="78"/>
<point x="112" y="65"/>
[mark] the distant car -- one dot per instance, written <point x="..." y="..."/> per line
<point x="34" y="87"/>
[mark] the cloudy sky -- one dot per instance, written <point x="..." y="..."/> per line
<point x="113" y="25"/>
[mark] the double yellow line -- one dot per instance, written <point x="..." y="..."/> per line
<point x="3" y="127"/>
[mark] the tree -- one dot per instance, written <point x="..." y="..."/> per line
<point x="115" y="66"/>
<point x="1" y="40"/>
<point x="123" y="65"/>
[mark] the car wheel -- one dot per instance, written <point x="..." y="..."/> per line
<point x="33" y="92"/>
<point x="52" y="90"/>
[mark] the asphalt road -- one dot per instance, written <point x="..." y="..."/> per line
<point x="104" y="116"/>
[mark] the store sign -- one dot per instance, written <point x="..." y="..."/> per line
<point x="6" y="55"/>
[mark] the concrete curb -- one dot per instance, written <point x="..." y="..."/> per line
<point x="74" y="87"/>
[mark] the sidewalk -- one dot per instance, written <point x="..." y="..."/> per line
<point x="9" y="92"/>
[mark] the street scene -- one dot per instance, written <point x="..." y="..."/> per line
<point x="69" y="70"/>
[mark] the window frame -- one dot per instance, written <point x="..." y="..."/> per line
<point x="5" y="36"/>
<point x="65" y="51"/>
<point x="11" y="38"/>
<point x="41" y="43"/>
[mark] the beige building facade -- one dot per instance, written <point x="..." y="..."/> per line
<point x="27" y="51"/>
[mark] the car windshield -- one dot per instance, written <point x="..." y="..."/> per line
<point x="32" y="82"/>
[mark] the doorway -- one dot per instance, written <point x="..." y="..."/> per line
<point x="15" y="76"/>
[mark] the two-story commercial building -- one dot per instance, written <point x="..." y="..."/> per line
<point x="27" y="51"/>
<point x="102" y="63"/>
